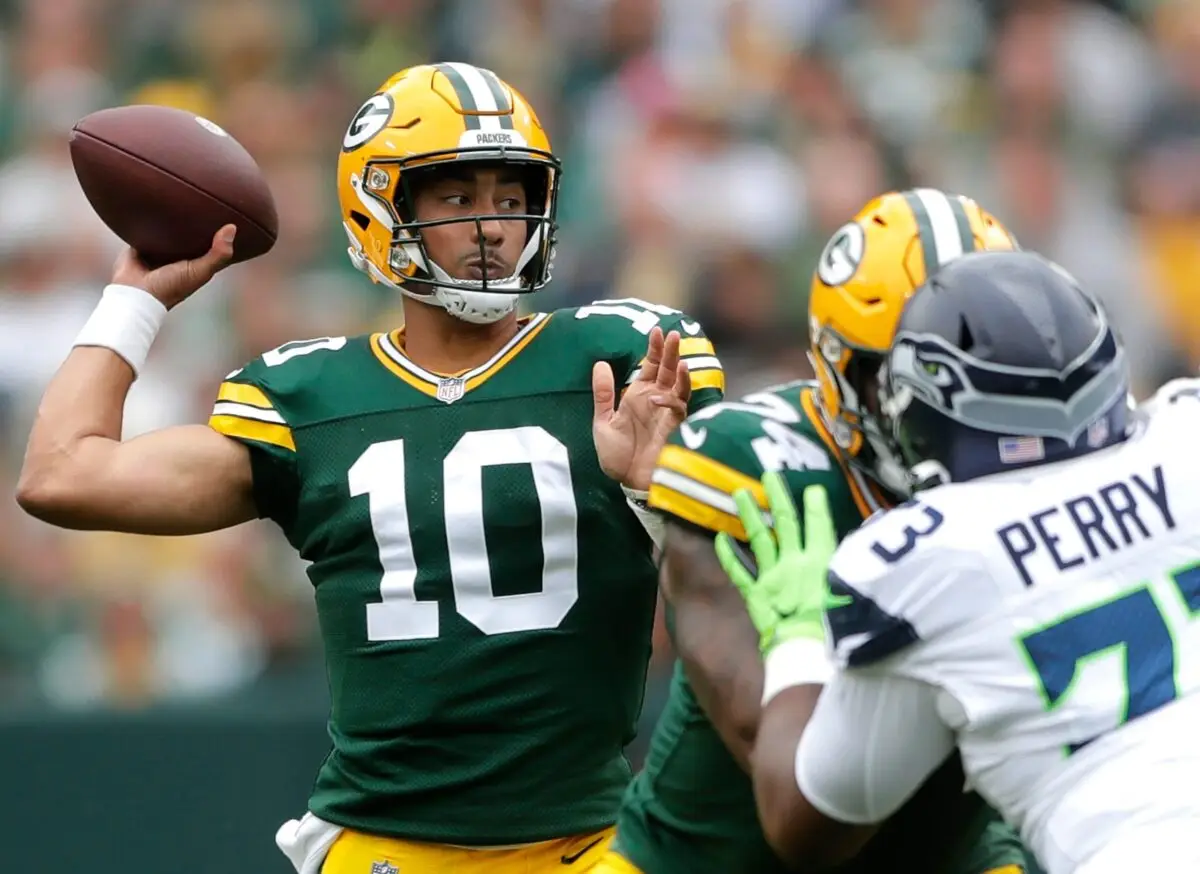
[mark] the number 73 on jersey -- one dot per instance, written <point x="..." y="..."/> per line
<point x="1140" y="628"/>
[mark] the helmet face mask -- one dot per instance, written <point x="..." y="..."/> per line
<point x="445" y="117"/>
<point x="864" y="277"/>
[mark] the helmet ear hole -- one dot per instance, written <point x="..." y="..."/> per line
<point x="966" y="340"/>
<point x="362" y="220"/>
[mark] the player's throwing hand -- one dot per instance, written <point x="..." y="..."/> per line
<point x="172" y="284"/>
<point x="787" y="598"/>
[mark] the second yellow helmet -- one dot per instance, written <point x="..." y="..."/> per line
<point x="867" y="272"/>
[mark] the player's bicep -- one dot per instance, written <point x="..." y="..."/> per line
<point x="870" y="744"/>
<point x="182" y="480"/>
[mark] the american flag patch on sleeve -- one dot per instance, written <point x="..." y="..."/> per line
<point x="1018" y="450"/>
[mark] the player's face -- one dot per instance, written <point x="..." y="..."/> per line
<point x="463" y="194"/>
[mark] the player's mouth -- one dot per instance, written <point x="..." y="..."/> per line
<point x="492" y="270"/>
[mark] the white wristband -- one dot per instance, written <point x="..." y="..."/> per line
<point x="126" y="320"/>
<point x="651" y="521"/>
<point x="800" y="661"/>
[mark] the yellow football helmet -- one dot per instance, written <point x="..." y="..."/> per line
<point x="430" y="116"/>
<point x="866" y="273"/>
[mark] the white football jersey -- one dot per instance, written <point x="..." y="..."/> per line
<point x="1052" y="616"/>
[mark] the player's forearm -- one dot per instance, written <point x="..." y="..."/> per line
<point x="797" y="831"/>
<point x="727" y="682"/>
<point x="77" y="426"/>
<point x="782" y="809"/>
<point x="715" y="640"/>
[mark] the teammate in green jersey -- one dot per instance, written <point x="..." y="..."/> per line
<point x="465" y="489"/>
<point x="692" y="807"/>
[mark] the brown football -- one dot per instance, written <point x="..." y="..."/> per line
<point x="165" y="180"/>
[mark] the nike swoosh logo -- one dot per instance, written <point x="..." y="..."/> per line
<point x="692" y="437"/>
<point x="575" y="857"/>
<point x="692" y="328"/>
<point x="832" y="601"/>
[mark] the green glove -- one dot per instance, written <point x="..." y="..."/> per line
<point x="787" y="599"/>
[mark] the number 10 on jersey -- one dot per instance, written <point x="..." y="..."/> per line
<point x="379" y="474"/>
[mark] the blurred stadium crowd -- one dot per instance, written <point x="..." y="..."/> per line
<point x="710" y="148"/>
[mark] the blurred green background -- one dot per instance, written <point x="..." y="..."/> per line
<point x="162" y="700"/>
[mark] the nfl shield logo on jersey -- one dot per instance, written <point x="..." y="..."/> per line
<point x="451" y="389"/>
<point x="384" y="868"/>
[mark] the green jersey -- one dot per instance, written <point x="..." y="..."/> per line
<point x="485" y="594"/>
<point x="692" y="807"/>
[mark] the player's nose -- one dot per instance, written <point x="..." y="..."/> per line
<point x="488" y="230"/>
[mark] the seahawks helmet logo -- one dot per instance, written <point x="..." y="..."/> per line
<point x="842" y="255"/>
<point x="368" y="121"/>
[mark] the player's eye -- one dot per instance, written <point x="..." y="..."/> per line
<point x="458" y="200"/>
<point x="939" y="374"/>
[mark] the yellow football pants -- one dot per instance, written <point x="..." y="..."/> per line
<point x="356" y="853"/>
<point x="615" y="863"/>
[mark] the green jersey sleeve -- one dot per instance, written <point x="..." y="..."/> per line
<point x="248" y="410"/>
<point x="998" y="850"/>
<point x="627" y="323"/>
<point x="728" y="446"/>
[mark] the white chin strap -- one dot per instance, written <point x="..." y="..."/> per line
<point x="476" y="307"/>
<point x="462" y="298"/>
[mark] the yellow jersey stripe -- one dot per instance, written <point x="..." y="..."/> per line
<point x="412" y="379"/>
<point x="666" y="499"/>
<point x="250" y="429"/>
<point x="241" y="393"/>
<point x="710" y="378"/>
<point x="476" y="381"/>
<point x="430" y="388"/>
<point x="696" y="346"/>
<point x="708" y="472"/>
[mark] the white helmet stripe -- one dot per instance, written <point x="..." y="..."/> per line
<point x="946" y="239"/>
<point x="481" y="92"/>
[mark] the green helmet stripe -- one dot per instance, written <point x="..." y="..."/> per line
<point x="924" y="233"/>
<point x="466" y="99"/>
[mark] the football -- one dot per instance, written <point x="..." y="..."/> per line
<point x="165" y="181"/>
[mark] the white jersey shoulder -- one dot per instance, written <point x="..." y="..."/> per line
<point x="891" y="580"/>
<point x="1054" y="611"/>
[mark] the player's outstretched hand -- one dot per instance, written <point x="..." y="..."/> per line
<point x="786" y="599"/>
<point x="630" y="437"/>
<point x="172" y="284"/>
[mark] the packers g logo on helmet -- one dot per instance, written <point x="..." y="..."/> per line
<point x="842" y="254"/>
<point x="866" y="273"/>
<point x="368" y="121"/>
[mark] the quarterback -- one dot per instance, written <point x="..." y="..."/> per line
<point x="468" y="490"/>
<point x="1034" y="605"/>
<point x="692" y="808"/>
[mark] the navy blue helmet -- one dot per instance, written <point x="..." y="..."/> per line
<point x="1002" y="361"/>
